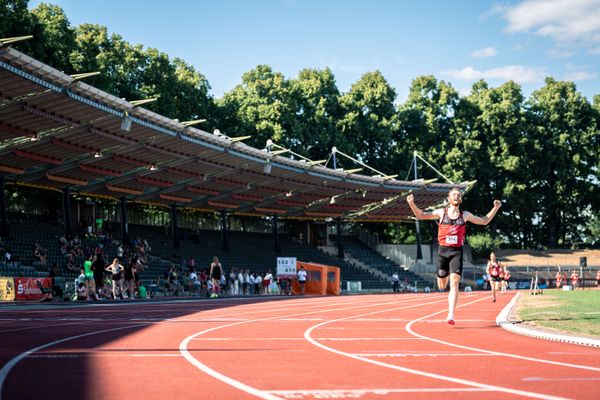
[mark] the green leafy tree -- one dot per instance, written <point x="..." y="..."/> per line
<point x="563" y="124"/>
<point x="369" y="120"/>
<point x="259" y="106"/>
<point x="315" y="100"/>
<point x="53" y="36"/>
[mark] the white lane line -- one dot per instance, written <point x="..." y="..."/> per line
<point x="307" y="335"/>
<point x="423" y="355"/>
<point x="358" y="393"/>
<point x="540" y="379"/>
<point x="538" y="360"/>
<point x="9" y="365"/>
<point x="322" y="339"/>
<point x="183" y="349"/>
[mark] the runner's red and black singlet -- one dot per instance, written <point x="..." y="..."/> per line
<point x="452" y="232"/>
<point x="496" y="270"/>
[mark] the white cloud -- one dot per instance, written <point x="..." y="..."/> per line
<point x="486" y="52"/>
<point x="517" y="73"/>
<point x="580" y="76"/>
<point x="565" y="22"/>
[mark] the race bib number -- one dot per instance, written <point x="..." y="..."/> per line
<point x="452" y="239"/>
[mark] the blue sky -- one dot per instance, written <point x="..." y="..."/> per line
<point x="457" y="41"/>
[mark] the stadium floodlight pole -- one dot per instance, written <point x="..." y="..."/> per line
<point x="193" y="122"/>
<point x="417" y="226"/>
<point x="77" y="77"/>
<point x="334" y="151"/>
<point x="430" y="166"/>
<point x="143" y="101"/>
<point x="282" y="150"/>
<point x="6" y="41"/>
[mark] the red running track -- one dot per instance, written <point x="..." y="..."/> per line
<point x="368" y="347"/>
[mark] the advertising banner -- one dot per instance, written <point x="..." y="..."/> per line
<point x="7" y="289"/>
<point x="29" y="289"/>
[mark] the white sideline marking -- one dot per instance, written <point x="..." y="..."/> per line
<point x="502" y="321"/>
<point x="539" y="360"/>
<point x="332" y="339"/>
<point x="538" y="379"/>
<point x="423" y="373"/>
<point x="358" y="393"/>
<point x="421" y="354"/>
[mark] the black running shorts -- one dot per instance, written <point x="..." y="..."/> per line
<point x="450" y="261"/>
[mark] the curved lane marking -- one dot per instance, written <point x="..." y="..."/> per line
<point x="516" y="356"/>
<point x="240" y="385"/>
<point x="307" y="335"/>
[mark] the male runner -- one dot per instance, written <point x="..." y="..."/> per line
<point x="451" y="238"/>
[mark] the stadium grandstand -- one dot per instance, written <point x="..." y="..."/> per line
<point x="62" y="136"/>
<point x="210" y="194"/>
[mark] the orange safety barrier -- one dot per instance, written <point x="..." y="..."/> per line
<point x="321" y="279"/>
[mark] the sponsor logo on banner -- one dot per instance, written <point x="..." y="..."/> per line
<point x="7" y="289"/>
<point x="28" y="289"/>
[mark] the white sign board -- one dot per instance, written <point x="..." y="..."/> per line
<point x="286" y="266"/>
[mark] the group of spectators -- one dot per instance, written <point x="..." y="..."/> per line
<point x="100" y="278"/>
<point x="214" y="282"/>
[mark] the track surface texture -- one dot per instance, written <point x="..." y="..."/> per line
<point x="367" y="347"/>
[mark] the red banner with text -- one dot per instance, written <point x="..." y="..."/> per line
<point x="33" y="289"/>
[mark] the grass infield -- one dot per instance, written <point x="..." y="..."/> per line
<point x="566" y="311"/>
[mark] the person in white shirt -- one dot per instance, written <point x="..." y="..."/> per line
<point x="395" y="282"/>
<point x="302" y="279"/>
<point x="267" y="283"/>
<point x="240" y="280"/>
<point x="194" y="281"/>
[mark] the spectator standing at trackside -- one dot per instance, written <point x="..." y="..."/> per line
<point x="395" y="282"/>
<point x="233" y="281"/>
<point x="598" y="278"/>
<point x="247" y="283"/>
<point x="257" y="283"/>
<point x="240" y="279"/>
<point x="266" y="283"/>
<point x="89" y="278"/>
<point x="129" y="278"/>
<point x="98" y="266"/>
<point x="216" y="272"/>
<point x="116" y="270"/>
<point x="302" y="275"/>
<point x="452" y="231"/>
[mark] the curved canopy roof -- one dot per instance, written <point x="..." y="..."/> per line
<point x="57" y="132"/>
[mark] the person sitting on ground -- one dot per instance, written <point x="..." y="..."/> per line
<point x="82" y="294"/>
<point x="194" y="281"/>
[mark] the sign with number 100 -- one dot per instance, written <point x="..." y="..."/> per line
<point x="286" y="266"/>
